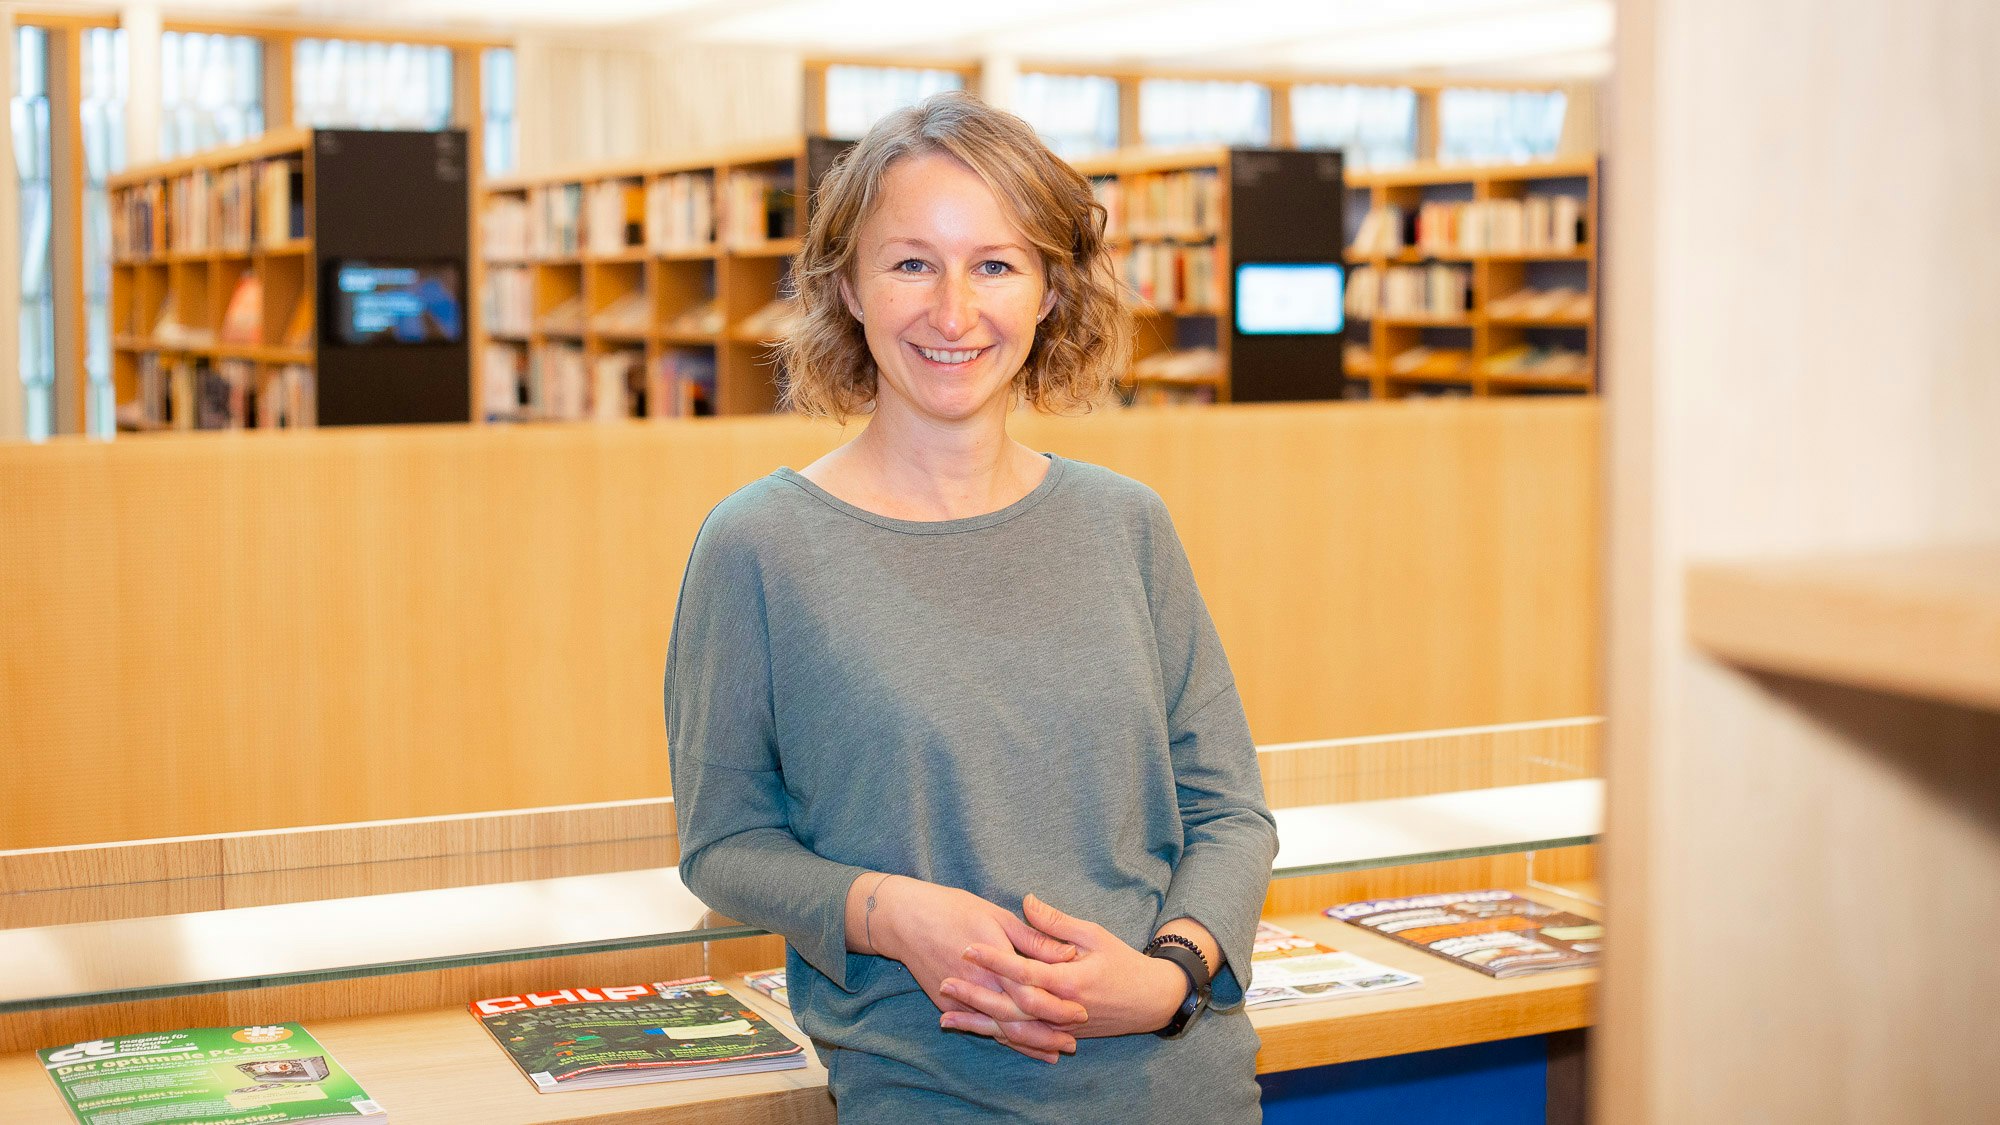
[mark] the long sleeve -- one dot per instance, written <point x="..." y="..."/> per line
<point x="1231" y="838"/>
<point x="738" y="852"/>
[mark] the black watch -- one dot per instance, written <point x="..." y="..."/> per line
<point x="1169" y="948"/>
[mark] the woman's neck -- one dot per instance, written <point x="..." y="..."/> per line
<point x="929" y="473"/>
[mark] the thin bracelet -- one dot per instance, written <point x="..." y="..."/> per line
<point x="1176" y="939"/>
<point x="868" y="913"/>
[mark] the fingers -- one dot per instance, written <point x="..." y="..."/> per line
<point x="1033" y="1039"/>
<point x="1032" y="978"/>
<point x="1031" y="942"/>
<point x="1019" y="1003"/>
<point x="1055" y="923"/>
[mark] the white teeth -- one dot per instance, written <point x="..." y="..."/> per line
<point x="948" y="357"/>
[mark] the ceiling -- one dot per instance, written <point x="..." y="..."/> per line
<point x="1495" y="38"/>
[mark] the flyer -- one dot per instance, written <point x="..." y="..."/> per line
<point x="266" y="1074"/>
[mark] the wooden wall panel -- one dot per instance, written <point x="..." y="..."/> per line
<point x="1804" y="877"/>
<point x="209" y="633"/>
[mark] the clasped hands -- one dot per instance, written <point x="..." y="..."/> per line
<point x="1036" y="985"/>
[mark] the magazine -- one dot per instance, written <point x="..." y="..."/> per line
<point x="583" y="1038"/>
<point x="1498" y="933"/>
<point x="1289" y="969"/>
<point x="268" y="1073"/>
<point x="770" y="982"/>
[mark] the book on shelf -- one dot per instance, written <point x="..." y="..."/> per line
<point x="1436" y="290"/>
<point x="704" y="319"/>
<point x="627" y="314"/>
<point x="281" y="202"/>
<point x="565" y="317"/>
<point x="509" y="300"/>
<point x="556" y="222"/>
<point x="1286" y="968"/>
<point x="618" y="385"/>
<point x="680" y="212"/>
<point x="287" y="398"/>
<point x="1537" y="362"/>
<point x="1497" y="933"/>
<point x="503" y="382"/>
<point x="1424" y="362"/>
<point x="773" y="320"/>
<point x="587" y="1038"/>
<point x="1176" y="277"/>
<point x="503" y="227"/>
<point x="684" y="382"/>
<point x="1380" y="233"/>
<point x="759" y="207"/>
<point x="1557" y="303"/>
<point x="1170" y="204"/>
<point x="267" y="1074"/>
<point x="558" y="383"/>
<point x="223" y="393"/>
<point x="243" y="317"/>
<point x="615" y="215"/>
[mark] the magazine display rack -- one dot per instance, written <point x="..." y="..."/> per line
<point x="376" y="935"/>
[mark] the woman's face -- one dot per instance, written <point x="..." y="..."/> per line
<point x="948" y="291"/>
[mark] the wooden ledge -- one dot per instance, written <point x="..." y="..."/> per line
<point x="1923" y="622"/>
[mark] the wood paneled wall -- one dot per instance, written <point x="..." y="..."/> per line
<point x="207" y="633"/>
<point x="1804" y="876"/>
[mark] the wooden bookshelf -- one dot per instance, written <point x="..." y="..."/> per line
<point x="648" y="289"/>
<point x="1179" y="224"/>
<point x="217" y="260"/>
<point x="1491" y="325"/>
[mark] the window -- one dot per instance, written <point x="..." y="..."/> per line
<point x="30" y="109"/>
<point x="1174" y="111"/>
<point x="502" y="136"/>
<point x="1499" y="126"/>
<point x="340" y="83"/>
<point x="103" y="80"/>
<point x="1375" y="126"/>
<point x="859" y="96"/>
<point x="1076" y="114"/>
<point x="211" y="91"/>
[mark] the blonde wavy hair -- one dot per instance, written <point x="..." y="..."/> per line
<point x="1081" y="349"/>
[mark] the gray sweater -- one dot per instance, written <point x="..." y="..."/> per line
<point x="1031" y="700"/>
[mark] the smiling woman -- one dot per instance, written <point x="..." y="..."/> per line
<point x="937" y="681"/>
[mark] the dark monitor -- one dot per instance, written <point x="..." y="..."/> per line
<point x="1290" y="299"/>
<point x="395" y="303"/>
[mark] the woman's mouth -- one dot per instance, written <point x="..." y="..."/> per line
<point x="948" y="357"/>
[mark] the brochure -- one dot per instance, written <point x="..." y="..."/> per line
<point x="261" y="1075"/>
<point x="770" y="982"/>
<point x="1498" y="933"/>
<point x="582" y="1038"/>
<point x="1289" y="969"/>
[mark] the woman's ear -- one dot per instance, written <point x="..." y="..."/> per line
<point x="847" y="298"/>
<point x="1048" y="305"/>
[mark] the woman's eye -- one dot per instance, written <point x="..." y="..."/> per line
<point x="994" y="268"/>
<point x="910" y="265"/>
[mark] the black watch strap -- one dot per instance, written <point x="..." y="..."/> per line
<point x="1195" y="968"/>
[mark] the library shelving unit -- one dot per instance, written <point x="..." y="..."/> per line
<point x="650" y="289"/>
<point x="1473" y="280"/>
<point x="309" y="277"/>
<point x="1181" y="224"/>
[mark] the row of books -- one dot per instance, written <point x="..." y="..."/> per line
<point x="1161" y="204"/>
<point x="678" y="212"/>
<point x="261" y="203"/>
<point x="1175" y="276"/>
<point x="243" y="320"/>
<point x="197" y="393"/>
<point x="559" y="383"/>
<point x="508" y="303"/>
<point x="584" y="1038"/>
<point x="1548" y="223"/>
<point x="1537" y="361"/>
<point x="1435" y="290"/>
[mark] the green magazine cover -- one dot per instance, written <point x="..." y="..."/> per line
<point x="579" y="1038"/>
<point x="267" y="1074"/>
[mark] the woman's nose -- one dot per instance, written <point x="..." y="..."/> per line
<point x="952" y="308"/>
